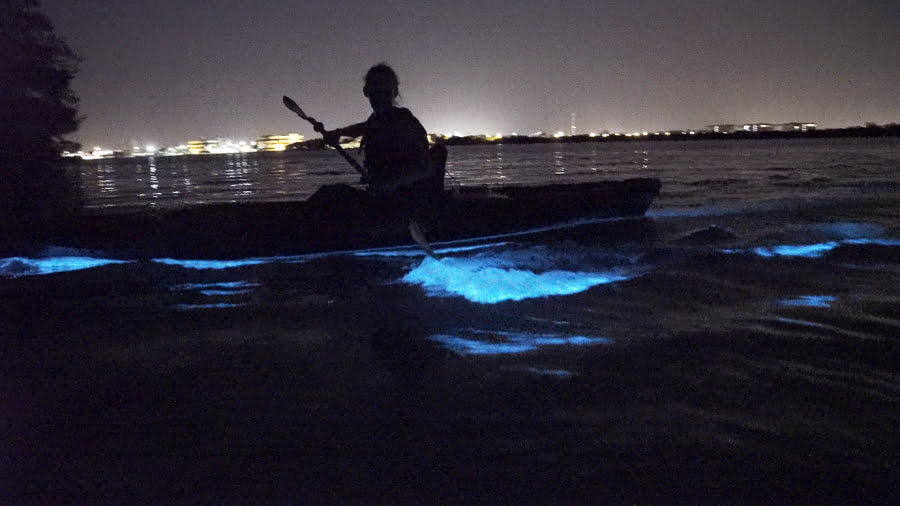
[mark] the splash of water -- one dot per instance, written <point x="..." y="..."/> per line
<point x="20" y="266"/>
<point x="479" y="281"/>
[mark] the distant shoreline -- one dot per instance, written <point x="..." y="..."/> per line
<point x="892" y="130"/>
<point x="318" y="144"/>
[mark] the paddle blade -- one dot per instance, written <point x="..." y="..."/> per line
<point x="290" y="104"/>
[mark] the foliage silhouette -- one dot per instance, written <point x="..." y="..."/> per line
<point x="37" y="108"/>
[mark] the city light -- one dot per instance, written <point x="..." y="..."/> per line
<point x="285" y="142"/>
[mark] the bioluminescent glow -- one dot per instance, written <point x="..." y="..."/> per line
<point x="810" y="301"/>
<point x="213" y="293"/>
<point x="878" y="242"/>
<point x="416" y="251"/>
<point x="226" y="285"/>
<point x="482" y="342"/>
<point x="19" y="266"/>
<point x="211" y="264"/>
<point x="227" y="288"/>
<point x="559" y="373"/>
<point x="218" y="305"/>
<point x="479" y="282"/>
<point x="811" y="250"/>
<point x="484" y="242"/>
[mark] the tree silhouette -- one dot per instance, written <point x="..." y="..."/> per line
<point x="37" y="108"/>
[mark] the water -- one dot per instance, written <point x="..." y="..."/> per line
<point x="745" y="350"/>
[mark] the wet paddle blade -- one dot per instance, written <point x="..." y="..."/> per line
<point x="416" y="232"/>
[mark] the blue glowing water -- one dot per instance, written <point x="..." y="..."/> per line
<point x="810" y="301"/>
<point x="483" y="342"/>
<point x="482" y="280"/>
<point x="578" y="351"/>
<point x="778" y="200"/>
<point x="18" y="266"/>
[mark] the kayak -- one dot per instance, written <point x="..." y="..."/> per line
<point x="341" y="217"/>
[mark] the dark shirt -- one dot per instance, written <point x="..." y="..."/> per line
<point x="394" y="140"/>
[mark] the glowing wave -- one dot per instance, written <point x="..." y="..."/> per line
<point x="212" y="264"/>
<point x="478" y="281"/>
<point x="810" y="301"/>
<point x="213" y="289"/>
<point x="810" y="250"/>
<point x="218" y="305"/>
<point x="482" y="342"/>
<point x="19" y="266"/>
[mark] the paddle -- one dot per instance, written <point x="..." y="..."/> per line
<point x="318" y="127"/>
<point x="420" y="239"/>
<point x="414" y="230"/>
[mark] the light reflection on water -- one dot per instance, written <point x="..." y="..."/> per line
<point x="688" y="171"/>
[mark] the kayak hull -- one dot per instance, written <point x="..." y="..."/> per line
<point x="342" y="218"/>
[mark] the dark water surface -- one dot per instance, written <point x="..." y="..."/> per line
<point x="741" y="348"/>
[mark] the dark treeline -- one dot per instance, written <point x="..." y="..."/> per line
<point x="37" y="108"/>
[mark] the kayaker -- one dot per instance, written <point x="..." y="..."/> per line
<point x="395" y="144"/>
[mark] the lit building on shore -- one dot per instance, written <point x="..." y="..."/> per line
<point x="218" y="146"/>
<point x="277" y="142"/>
<point x="761" y="127"/>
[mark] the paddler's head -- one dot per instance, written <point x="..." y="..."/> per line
<point x="382" y="87"/>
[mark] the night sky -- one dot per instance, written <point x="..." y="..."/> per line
<point x="169" y="71"/>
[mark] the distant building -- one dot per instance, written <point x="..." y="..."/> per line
<point x="218" y="146"/>
<point x="277" y="142"/>
<point x="761" y="127"/>
<point x="721" y="129"/>
<point x="197" y="147"/>
<point x="798" y="127"/>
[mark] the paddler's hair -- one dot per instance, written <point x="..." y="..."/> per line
<point x="382" y="77"/>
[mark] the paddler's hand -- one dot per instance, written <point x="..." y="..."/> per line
<point x="332" y="137"/>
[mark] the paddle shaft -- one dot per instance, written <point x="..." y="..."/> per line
<point x="318" y="127"/>
<point x="414" y="229"/>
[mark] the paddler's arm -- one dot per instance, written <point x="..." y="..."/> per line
<point x="333" y="137"/>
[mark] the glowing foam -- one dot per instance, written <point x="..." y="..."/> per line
<point x="480" y="282"/>
<point x="218" y="305"/>
<point x="808" y="250"/>
<point x="811" y="250"/>
<point x="20" y="266"/>
<point x="226" y="285"/>
<point x="213" y="293"/>
<point x="810" y="301"/>
<point x="210" y="264"/>
<point x="503" y="343"/>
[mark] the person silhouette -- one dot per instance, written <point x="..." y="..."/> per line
<point x="395" y="144"/>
